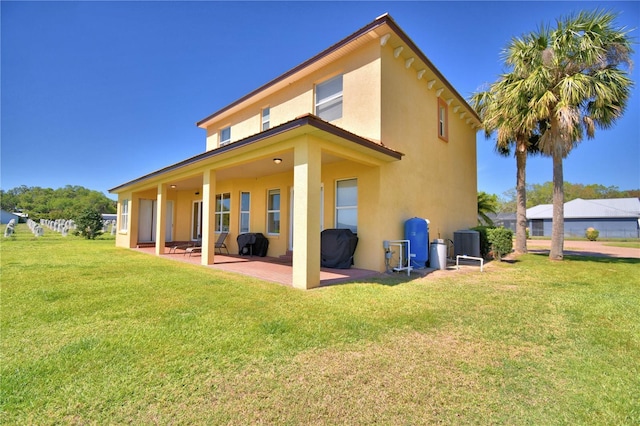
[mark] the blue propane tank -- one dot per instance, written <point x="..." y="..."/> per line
<point x="416" y="230"/>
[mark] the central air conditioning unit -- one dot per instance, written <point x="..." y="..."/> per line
<point x="466" y="243"/>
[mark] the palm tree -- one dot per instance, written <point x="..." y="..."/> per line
<point x="574" y="81"/>
<point x="486" y="204"/>
<point x="503" y="109"/>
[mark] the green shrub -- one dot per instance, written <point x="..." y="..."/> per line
<point x="501" y="240"/>
<point x="592" y="234"/>
<point x="485" y="245"/>
<point x="89" y="223"/>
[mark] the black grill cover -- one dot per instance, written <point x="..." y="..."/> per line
<point x="337" y="247"/>
<point x="252" y="244"/>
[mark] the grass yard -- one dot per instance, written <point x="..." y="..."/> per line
<point x="629" y="244"/>
<point x="92" y="334"/>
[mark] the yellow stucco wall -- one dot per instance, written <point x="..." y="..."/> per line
<point x="436" y="180"/>
<point x="361" y="106"/>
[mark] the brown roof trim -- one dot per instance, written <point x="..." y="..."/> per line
<point x="308" y="119"/>
<point x="378" y="22"/>
<point x="381" y="20"/>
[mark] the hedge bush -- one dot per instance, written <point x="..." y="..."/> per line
<point x="501" y="240"/>
<point x="485" y="245"/>
<point x="592" y="234"/>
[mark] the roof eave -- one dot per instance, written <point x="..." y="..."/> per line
<point x="385" y="19"/>
<point x="381" y="20"/>
<point x="308" y="119"/>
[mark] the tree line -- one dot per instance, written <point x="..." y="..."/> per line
<point x="542" y="193"/>
<point x="62" y="203"/>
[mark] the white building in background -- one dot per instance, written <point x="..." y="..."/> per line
<point x="613" y="218"/>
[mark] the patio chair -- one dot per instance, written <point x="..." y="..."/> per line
<point x="220" y="244"/>
<point x="195" y="248"/>
<point x="192" y="250"/>
<point x="180" y="246"/>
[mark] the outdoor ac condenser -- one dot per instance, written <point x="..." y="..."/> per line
<point x="466" y="242"/>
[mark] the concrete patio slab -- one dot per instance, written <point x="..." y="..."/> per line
<point x="264" y="268"/>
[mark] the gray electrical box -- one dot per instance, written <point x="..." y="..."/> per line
<point x="466" y="242"/>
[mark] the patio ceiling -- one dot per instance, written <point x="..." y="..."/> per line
<point x="255" y="169"/>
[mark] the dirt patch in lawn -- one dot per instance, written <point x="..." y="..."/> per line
<point x="415" y="378"/>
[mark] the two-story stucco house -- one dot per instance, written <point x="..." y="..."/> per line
<point x="364" y="135"/>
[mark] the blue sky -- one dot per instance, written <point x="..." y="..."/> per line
<point x="99" y="93"/>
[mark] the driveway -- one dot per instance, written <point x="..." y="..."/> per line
<point x="586" y="248"/>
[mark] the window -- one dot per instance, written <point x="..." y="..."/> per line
<point x="443" y="112"/>
<point x="245" y="207"/>
<point x="223" y="212"/>
<point x="537" y="228"/>
<point x="273" y="212"/>
<point x="124" y="215"/>
<point x="196" y="221"/>
<point x="347" y="204"/>
<point x="266" y="118"/>
<point x="329" y="99"/>
<point x="225" y="136"/>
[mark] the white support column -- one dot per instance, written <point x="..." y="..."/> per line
<point x="306" y="212"/>
<point x="161" y="218"/>
<point x="208" y="216"/>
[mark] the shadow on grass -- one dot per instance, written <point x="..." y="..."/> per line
<point x="385" y="279"/>
<point x="592" y="257"/>
<point x="510" y="261"/>
<point x="392" y="279"/>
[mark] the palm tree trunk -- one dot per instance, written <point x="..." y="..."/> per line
<point x="557" y="227"/>
<point x="521" y="198"/>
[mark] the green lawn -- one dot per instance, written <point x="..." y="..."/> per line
<point x="629" y="244"/>
<point x="92" y="334"/>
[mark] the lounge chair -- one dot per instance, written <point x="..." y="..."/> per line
<point x="195" y="248"/>
<point x="180" y="246"/>
<point x="220" y="244"/>
<point x="191" y="250"/>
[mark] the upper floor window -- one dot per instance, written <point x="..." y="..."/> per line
<point x="443" y="117"/>
<point x="329" y="99"/>
<point x="347" y="204"/>
<point x="245" y="208"/>
<point x="266" y="118"/>
<point x="223" y="212"/>
<point x="225" y="136"/>
<point x="273" y="212"/>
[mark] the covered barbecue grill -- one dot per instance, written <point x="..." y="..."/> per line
<point x="337" y="247"/>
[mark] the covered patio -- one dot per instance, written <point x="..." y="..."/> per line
<point x="282" y="172"/>
<point x="264" y="268"/>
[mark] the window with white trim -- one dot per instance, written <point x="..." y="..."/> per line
<point x="124" y="215"/>
<point x="223" y="212"/>
<point x="273" y="212"/>
<point x="266" y="118"/>
<point x="245" y="208"/>
<point x="196" y="221"/>
<point x="347" y="204"/>
<point x="225" y="136"/>
<point x="329" y="99"/>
